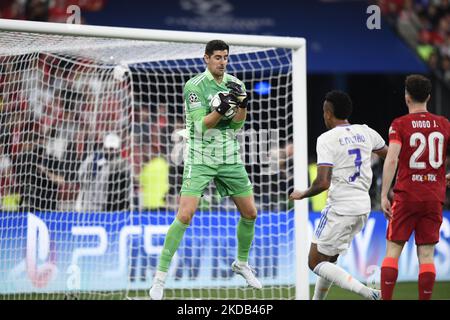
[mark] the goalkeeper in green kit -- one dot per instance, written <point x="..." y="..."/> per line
<point x="216" y="107"/>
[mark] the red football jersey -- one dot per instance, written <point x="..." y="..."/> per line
<point x="424" y="138"/>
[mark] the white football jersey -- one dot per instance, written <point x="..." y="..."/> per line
<point x="348" y="149"/>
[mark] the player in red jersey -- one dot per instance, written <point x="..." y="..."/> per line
<point x="418" y="145"/>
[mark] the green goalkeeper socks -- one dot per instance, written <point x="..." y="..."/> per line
<point x="245" y="234"/>
<point x="171" y="243"/>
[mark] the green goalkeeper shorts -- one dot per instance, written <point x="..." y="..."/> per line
<point x="230" y="180"/>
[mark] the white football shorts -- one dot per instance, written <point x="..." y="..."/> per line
<point x="335" y="232"/>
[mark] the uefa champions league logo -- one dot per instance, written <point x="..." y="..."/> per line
<point x="216" y="15"/>
<point x="207" y="7"/>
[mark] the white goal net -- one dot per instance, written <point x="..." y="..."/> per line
<point x="92" y="137"/>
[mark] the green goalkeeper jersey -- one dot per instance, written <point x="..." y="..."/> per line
<point x="213" y="146"/>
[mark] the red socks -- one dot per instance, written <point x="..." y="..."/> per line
<point x="427" y="275"/>
<point x="389" y="273"/>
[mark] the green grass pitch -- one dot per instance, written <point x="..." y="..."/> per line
<point x="403" y="291"/>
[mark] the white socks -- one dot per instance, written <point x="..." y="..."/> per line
<point x="321" y="288"/>
<point x="160" y="275"/>
<point x="342" y="278"/>
<point x="242" y="263"/>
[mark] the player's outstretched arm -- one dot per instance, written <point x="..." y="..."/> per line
<point x="447" y="178"/>
<point x="320" y="184"/>
<point x="381" y="153"/>
<point x="390" y="165"/>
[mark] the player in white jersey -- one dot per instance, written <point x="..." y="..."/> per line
<point x="344" y="168"/>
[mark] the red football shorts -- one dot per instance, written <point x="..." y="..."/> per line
<point x="422" y="217"/>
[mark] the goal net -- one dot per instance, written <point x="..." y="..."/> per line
<point x="93" y="137"/>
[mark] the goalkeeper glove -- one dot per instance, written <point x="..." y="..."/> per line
<point x="237" y="91"/>
<point x="226" y="102"/>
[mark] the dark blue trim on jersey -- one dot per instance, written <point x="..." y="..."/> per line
<point x="379" y="148"/>
<point x="325" y="164"/>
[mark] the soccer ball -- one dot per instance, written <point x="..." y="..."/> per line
<point x="215" y="102"/>
<point x="373" y="280"/>
<point x="120" y="73"/>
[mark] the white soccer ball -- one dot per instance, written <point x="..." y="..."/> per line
<point x="373" y="280"/>
<point x="215" y="102"/>
<point x="120" y="72"/>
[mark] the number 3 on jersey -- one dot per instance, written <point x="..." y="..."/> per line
<point x="433" y="148"/>
<point x="358" y="163"/>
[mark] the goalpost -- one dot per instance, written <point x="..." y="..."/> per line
<point x="92" y="136"/>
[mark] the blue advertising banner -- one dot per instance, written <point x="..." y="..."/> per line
<point x="63" y="251"/>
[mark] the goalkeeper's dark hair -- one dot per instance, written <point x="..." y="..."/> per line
<point x="418" y="87"/>
<point x="341" y="102"/>
<point x="214" y="45"/>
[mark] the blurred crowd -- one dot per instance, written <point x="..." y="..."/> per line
<point x="425" y="26"/>
<point x="50" y="124"/>
<point x="46" y="10"/>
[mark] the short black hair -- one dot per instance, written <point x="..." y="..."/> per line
<point x="341" y="102"/>
<point x="418" y="87"/>
<point x="214" y="45"/>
